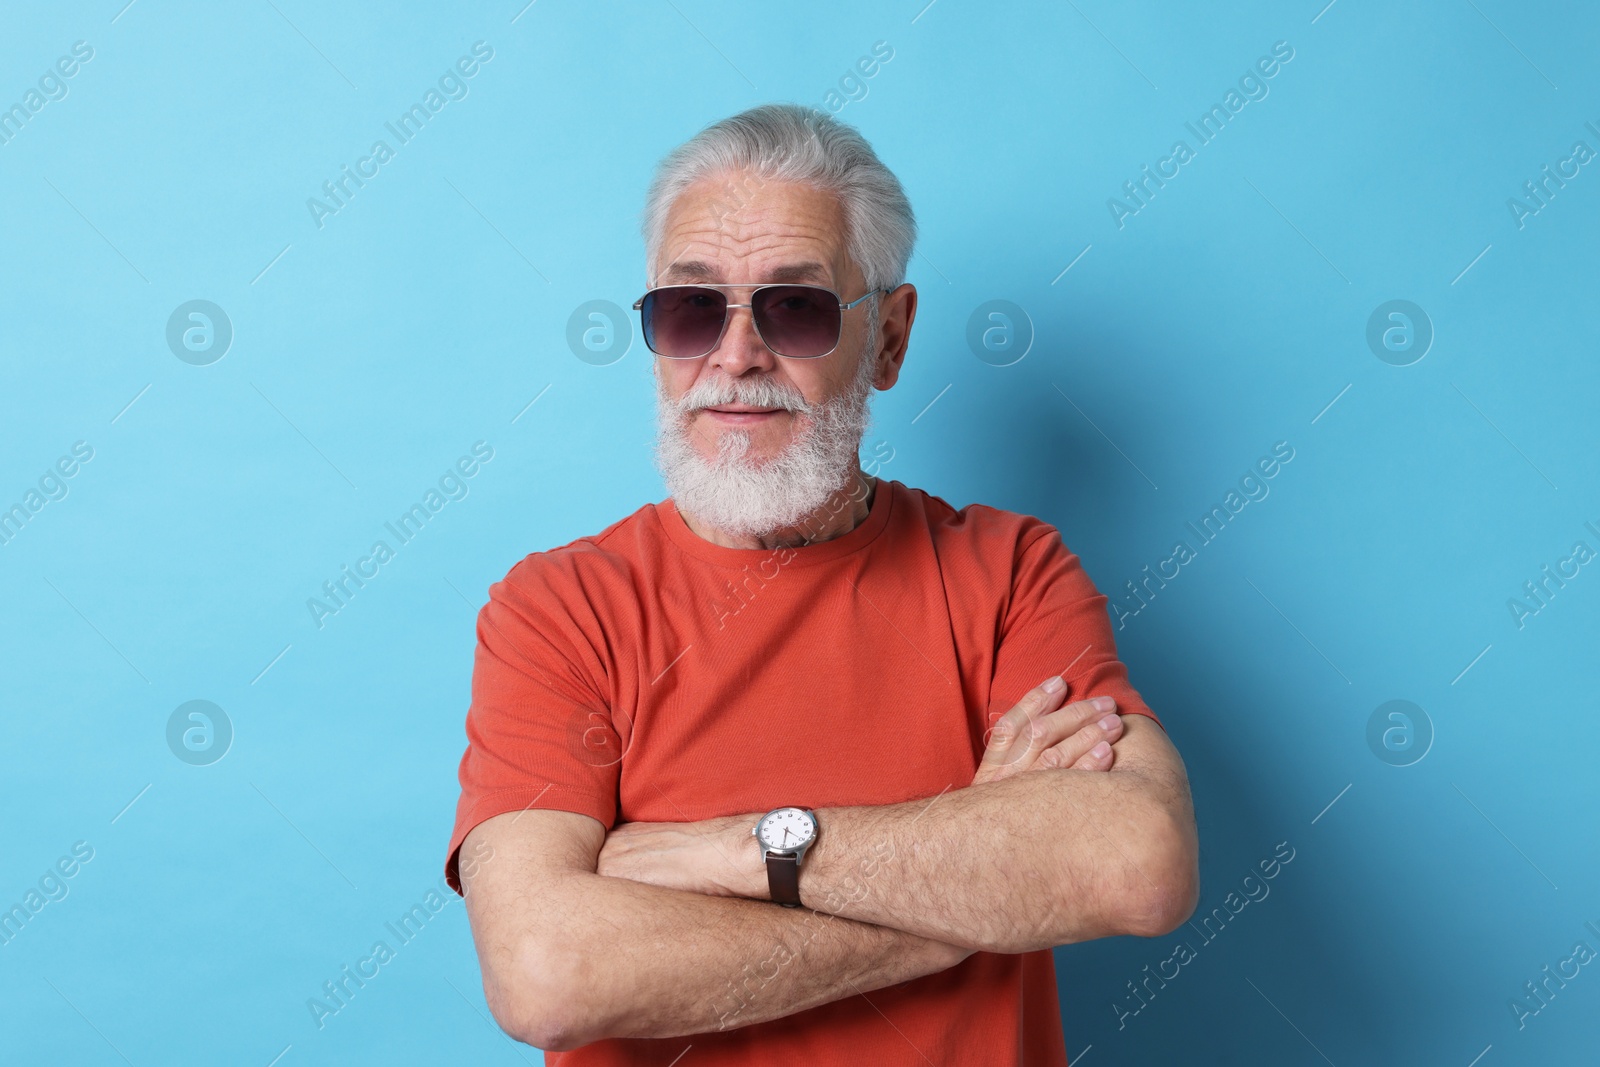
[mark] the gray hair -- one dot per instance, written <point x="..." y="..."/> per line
<point x="791" y="142"/>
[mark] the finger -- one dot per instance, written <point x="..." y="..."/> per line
<point x="1049" y="730"/>
<point x="1099" y="758"/>
<point x="1007" y="736"/>
<point x="1075" y="750"/>
<point x="1057" y="727"/>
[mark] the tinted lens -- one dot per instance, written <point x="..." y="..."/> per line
<point x="682" y="322"/>
<point x="797" y="320"/>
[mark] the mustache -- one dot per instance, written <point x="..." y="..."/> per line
<point x="761" y="393"/>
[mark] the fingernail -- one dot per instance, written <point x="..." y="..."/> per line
<point x="1054" y="684"/>
<point x="1108" y="723"/>
<point x="1103" y="703"/>
<point x="1100" y="751"/>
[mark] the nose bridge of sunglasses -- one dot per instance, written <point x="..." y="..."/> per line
<point x="737" y="317"/>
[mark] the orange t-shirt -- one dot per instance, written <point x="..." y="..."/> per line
<point x="646" y="674"/>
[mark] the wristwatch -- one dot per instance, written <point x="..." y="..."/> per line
<point x="784" y="834"/>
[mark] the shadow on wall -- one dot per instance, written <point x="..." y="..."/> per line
<point x="1141" y="1000"/>
<point x="1145" y="1000"/>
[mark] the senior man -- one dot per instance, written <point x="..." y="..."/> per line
<point x="800" y="765"/>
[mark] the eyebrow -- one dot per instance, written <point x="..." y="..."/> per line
<point x="695" y="271"/>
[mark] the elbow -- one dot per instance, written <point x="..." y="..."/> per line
<point x="533" y="996"/>
<point x="544" y="1031"/>
<point x="1168" y="889"/>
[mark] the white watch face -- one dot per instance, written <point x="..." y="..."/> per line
<point x="785" y="829"/>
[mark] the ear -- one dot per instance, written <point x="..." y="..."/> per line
<point x="896" y="310"/>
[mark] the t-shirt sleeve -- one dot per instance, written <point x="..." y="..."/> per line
<point x="1056" y="623"/>
<point x="539" y="734"/>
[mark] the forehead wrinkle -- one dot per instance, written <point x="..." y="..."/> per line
<point x="764" y="255"/>
<point x="805" y="229"/>
<point x="752" y="241"/>
<point x="697" y="271"/>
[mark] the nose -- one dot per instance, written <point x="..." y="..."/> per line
<point x="741" y="347"/>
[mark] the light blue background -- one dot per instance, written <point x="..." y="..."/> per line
<point x="370" y="353"/>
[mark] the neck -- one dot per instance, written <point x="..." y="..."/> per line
<point x="846" y="509"/>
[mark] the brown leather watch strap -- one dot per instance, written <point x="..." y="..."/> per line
<point x="783" y="879"/>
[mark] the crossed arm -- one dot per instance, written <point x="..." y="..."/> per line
<point x="1052" y="843"/>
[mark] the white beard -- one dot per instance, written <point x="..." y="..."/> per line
<point x="749" y="499"/>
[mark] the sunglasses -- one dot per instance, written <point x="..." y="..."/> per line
<point x="797" y="321"/>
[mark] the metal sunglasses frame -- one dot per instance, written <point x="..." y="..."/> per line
<point x="638" y="305"/>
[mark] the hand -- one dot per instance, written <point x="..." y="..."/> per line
<point x="717" y="857"/>
<point x="1035" y="734"/>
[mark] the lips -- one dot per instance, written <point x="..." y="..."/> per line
<point x="742" y="415"/>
